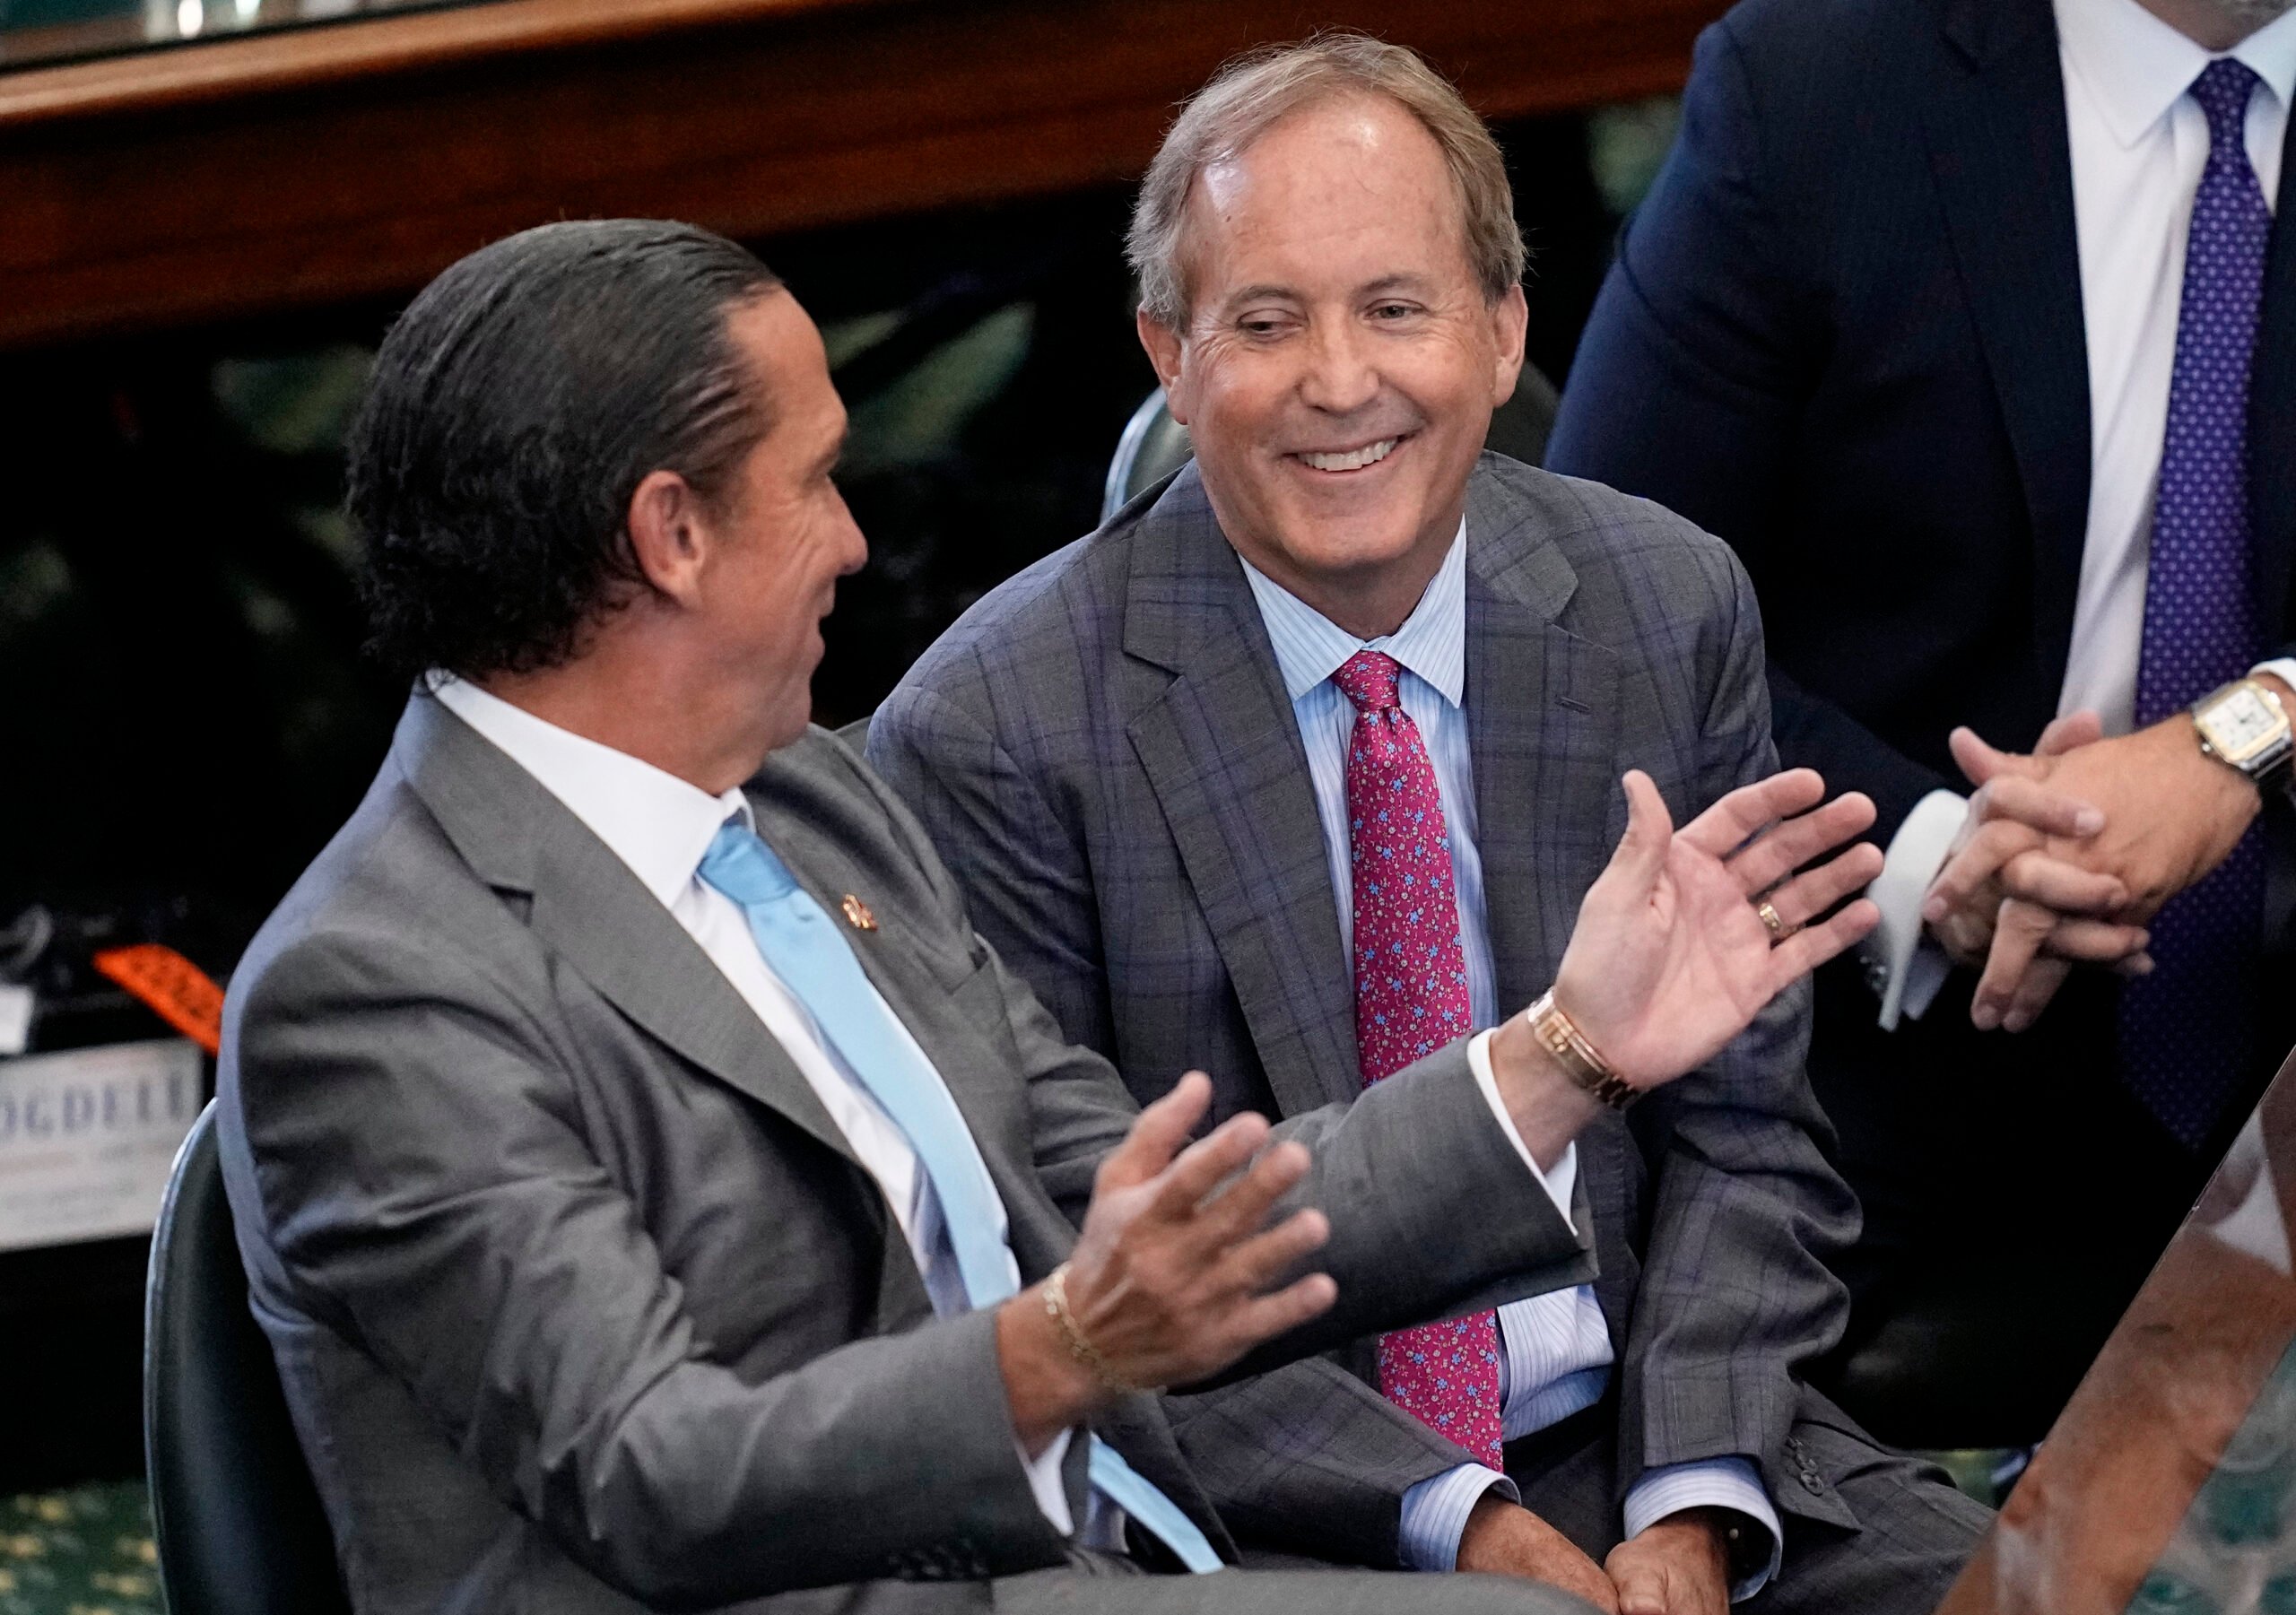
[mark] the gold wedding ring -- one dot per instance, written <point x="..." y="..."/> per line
<point x="1769" y="918"/>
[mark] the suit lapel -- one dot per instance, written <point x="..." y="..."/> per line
<point x="2271" y="417"/>
<point x="593" y="912"/>
<point x="1542" y="707"/>
<point x="1543" y="731"/>
<point x="1222" y="751"/>
<point x="994" y="1105"/>
<point x="978" y="1080"/>
<point x="1995" y="129"/>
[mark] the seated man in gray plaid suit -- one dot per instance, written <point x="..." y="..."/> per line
<point x="1299" y="767"/>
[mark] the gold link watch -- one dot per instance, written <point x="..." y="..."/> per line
<point x="2244" y="725"/>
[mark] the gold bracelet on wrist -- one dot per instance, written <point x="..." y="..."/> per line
<point x="1072" y="1334"/>
<point x="1581" y="1061"/>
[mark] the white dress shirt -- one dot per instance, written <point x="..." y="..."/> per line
<point x="1556" y="1357"/>
<point x="2138" y="142"/>
<point x="660" y="826"/>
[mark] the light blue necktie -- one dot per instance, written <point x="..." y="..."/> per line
<point x="804" y="947"/>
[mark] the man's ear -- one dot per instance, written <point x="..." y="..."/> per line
<point x="1163" y="347"/>
<point x="1510" y="318"/>
<point x="669" y="535"/>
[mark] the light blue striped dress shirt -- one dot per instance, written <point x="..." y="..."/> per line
<point x="1556" y="1357"/>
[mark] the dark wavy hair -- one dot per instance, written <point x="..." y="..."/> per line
<point x="513" y="409"/>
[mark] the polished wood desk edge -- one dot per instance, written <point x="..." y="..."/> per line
<point x="355" y="161"/>
<point x="358" y="47"/>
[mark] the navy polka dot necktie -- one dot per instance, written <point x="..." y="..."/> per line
<point x="2187" y="1030"/>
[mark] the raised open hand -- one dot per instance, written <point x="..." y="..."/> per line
<point x="1178" y="1272"/>
<point x="1172" y="1277"/>
<point x="1671" y="958"/>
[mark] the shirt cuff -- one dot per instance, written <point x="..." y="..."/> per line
<point x="1732" y="1483"/>
<point x="1559" y="1182"/>
<point x="1045" y="1481"/>
<point x="1901" y="967"/>
<point x="1435" y="1513"/>
<point x="2282" y="668"/>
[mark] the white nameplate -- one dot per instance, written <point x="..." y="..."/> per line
<point x="87" y="1136"/>
<point x="16" y="1007"/>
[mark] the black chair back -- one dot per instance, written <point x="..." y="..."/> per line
<point x="235" y="1516"/>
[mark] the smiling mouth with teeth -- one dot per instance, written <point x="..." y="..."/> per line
<point x="1370" y="454"/>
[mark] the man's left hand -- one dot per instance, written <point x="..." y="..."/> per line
<point x="2172" y="811"/>
<point x="1670" y="958"/>
<point x="1677" y="1565"/>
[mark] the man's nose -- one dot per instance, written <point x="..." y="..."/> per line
<point x="1339" y="377"/>
<point x="854" y="552"/>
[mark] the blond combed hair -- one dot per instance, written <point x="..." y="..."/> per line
<point x="1258" y="89"/>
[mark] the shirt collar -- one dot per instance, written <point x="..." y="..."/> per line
<point x="652" y="821"/>
<point x="1309" y="646"/>
<point x="2136" y="66"/>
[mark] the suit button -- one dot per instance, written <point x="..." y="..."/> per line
<point x="1810" y="1483"/>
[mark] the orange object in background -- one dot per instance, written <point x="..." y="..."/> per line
<point x="171" y="987"/>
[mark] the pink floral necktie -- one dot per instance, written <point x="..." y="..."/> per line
<point x="1411" y="999"/>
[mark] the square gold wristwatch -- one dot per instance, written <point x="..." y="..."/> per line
<point x="2244" y="724"/>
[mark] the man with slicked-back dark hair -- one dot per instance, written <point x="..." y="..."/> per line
<point x="655" y="1194"/>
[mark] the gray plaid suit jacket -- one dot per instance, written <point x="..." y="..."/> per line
<point x="581" y="1302"/>
<point x="1104" y="752"/>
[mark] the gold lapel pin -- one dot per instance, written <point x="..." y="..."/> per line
<point x="858" y="915"/>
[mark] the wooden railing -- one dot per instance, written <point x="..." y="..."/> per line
<point x="319" y="164"/>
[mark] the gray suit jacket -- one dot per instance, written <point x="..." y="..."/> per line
<point x="1105" y="753"/>
<point x="580" y="1299"/>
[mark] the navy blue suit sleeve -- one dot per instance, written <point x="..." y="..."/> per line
<point x="1691" y="382"/>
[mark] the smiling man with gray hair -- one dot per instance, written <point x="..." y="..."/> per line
<point x="1299" y="769"/>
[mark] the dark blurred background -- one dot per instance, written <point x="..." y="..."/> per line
<point x="189" y="713"/>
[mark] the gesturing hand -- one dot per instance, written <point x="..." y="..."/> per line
<point x="1173" y="1277"/>
<point x="1670" y="958"/>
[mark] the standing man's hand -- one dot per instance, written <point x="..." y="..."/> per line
<point x="1177" y="1273"/>
<point x="2002" y="850"/>
<point x="1503" y="1539"/>
<point x="2172" y="813"/>
<point x="2005" y="870"/>
<point x="1677" y="1565"/>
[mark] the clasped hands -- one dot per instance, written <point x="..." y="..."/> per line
<point x="2066" y="854"/>
<point x="1184" y="1265"/>
<point x="1677" y="1565"/>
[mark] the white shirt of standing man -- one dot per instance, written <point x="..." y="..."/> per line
<point x="2138" y="142"/>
